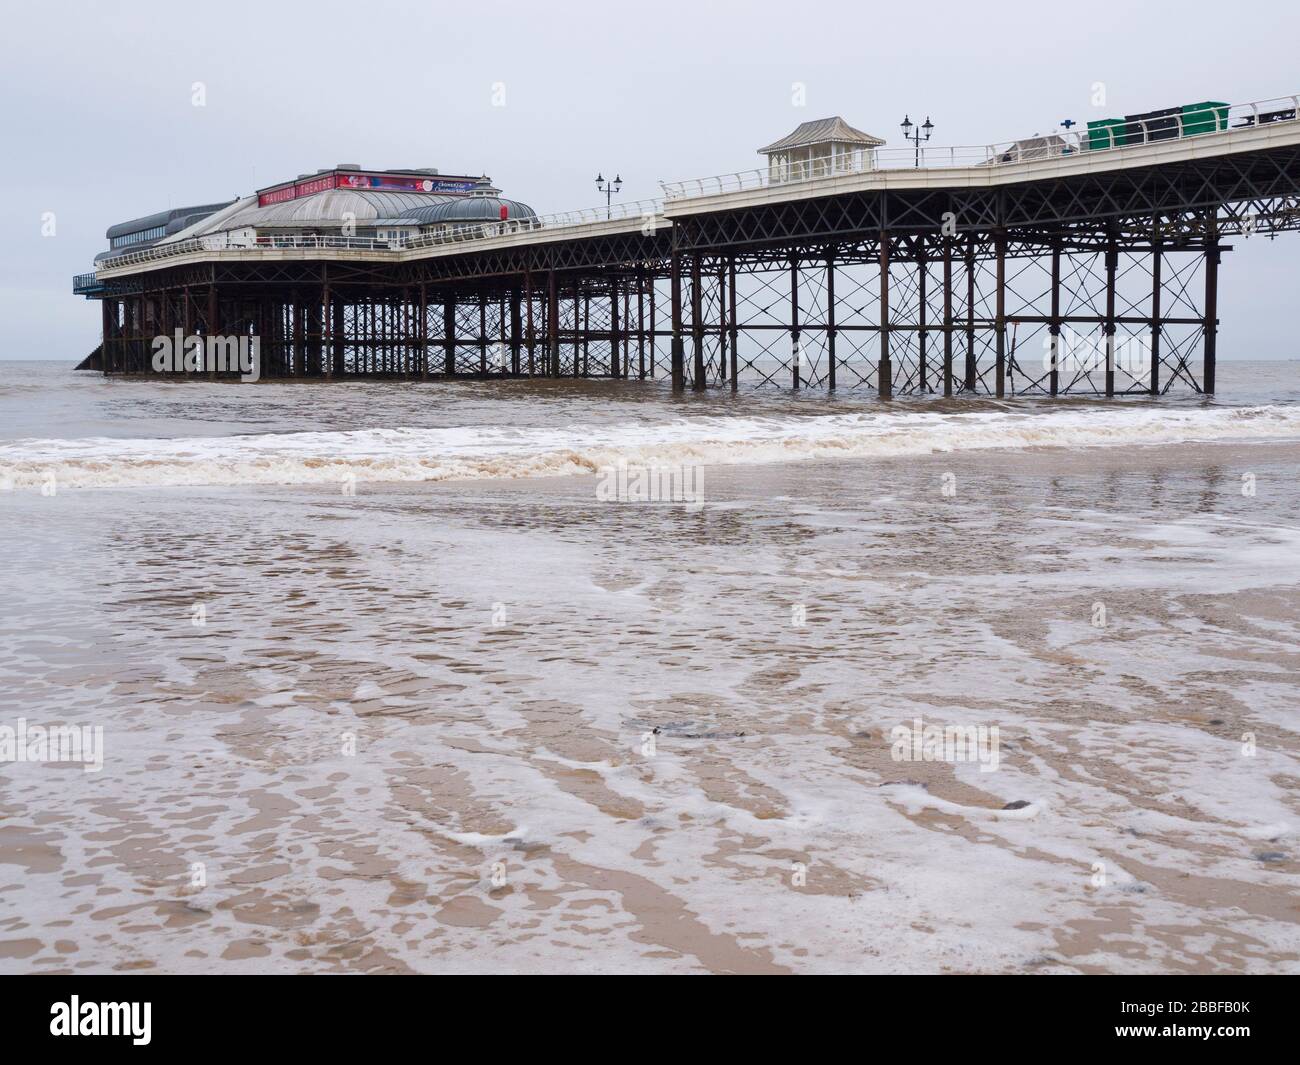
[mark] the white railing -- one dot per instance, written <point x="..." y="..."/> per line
<point x="1031" y="149"/>
<point x="650" y="213"/>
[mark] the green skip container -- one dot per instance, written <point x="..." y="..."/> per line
<point x="1106" y="133"/>
<point x="1204" y="117"/>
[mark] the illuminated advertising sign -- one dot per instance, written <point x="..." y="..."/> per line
<point x="300" y="188"/>
<point x="376" y="182"/>
<point x="389" y="183"/>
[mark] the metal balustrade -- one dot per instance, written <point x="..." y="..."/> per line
<point x="1036" y="149"/>
<point x="650" y="212"/>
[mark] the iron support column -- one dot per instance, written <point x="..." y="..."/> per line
<point x="830" y="320"/>
<point x="449" y="336"/>
<point x="1157" y="282"/>
<point x="947" y="317"/>
<point x="678" y="349"/>
<point x="885" y="371"/>
<point x="614" y="360"/>
<point x="1000" y="314"/>
<point x="1054" y="372"/>
<point x="796" y="351"/>
<point x="529" y="337"/>
<point x="922" y="333"/>
<point x="640" y="323"/>
<point x="697" y="324"/>
<point x="553" y="324"/>
<point x="423" y="332"/>
<point x="516" y="331"/>
<point x="1112" y="265"/>
<point x="731" y="321"/>
<point x="970" y="376"/>
<point x="1210" y="351"/>
<point x="210" y="329"/>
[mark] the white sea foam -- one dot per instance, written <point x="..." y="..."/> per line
<point x="469" y="453"/>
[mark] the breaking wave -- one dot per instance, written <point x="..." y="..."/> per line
<point x="469" y="453"/>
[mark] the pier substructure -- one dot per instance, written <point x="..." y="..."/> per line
<point x="1098" y="310"/>
<point x="571" y="324"/>
<point x="995" y="313"/>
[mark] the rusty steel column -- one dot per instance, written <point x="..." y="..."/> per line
<point x="516" y="330"/>
<point x="162" y="327"/>
<point x="326" y="340"/>
<point x="423" y="332"/>
<point x="1054" y="327"/>
<point x="1108" y="328"/>
<point x="830" y="320"/>
<point x="581" y="329"/>
<point x="105" y="316"/>
<point x="210" y="326"/>
<point x="947" y="317"/>
<point x="654" y="335"/>
<point x="1210" y="352"/>
<point x="724" y="335"/>
<point x="553" y="324"/>
<point x="529" y="336"/>
<point x="187" y="313"/>
<point x="796" y="352"/>
<point x="922" y="273"/>
<point x="731" y="322"/>
<point x="449" y="335"/>
<point x="625" y="334"/>
<point x="678" y="345"/>
<point x="970" y="376"/>
<point x="614" y="358"/>
<point x="640" y="323"/>
<point x="1000" y="314"/>
<point x="1157" y="280"/>
<point x="300" y="333"/>
<point x="338" y="330"/>
<point x="697" y="324"/>
<point x="885" y="369"/>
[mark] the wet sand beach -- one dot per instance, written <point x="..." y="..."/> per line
<point x="499" y="725"/>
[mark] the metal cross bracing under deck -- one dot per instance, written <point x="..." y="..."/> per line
<point x="1100" y="283"/>
<point x="923" y="314"/>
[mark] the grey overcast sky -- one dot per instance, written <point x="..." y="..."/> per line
<point x="97" y="123"/>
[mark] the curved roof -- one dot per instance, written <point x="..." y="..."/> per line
<point x="163" y="218"/>
<point x="822" y="131"/>
<point x="211" y="223"/>
<point x="469" y="209"/>
<point x="365" y="207"/>
<point x="330" y="207"/>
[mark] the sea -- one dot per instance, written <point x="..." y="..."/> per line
<point x="564" y="676"/>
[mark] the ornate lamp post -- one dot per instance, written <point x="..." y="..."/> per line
<point x="608" y="188"/>
<point x="916" y="137"/>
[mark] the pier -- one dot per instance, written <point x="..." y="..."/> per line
<point x="981" y="271"/>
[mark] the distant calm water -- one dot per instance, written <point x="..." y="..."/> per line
<point x="385" y="685"/>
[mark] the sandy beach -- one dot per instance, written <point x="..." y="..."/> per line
<point x="488" y="724"/>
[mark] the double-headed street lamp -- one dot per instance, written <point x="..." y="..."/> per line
<point x="608" y="188"/>
<point x="916" y="137"/>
